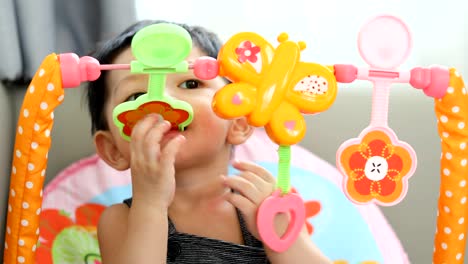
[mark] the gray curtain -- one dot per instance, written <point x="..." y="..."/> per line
<point x="32" y="29"/>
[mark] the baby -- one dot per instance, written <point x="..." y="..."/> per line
<point x="184" y="208"/>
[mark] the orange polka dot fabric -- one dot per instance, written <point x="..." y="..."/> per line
<point x="452" y="219"/>
<point x="32" y="144"/>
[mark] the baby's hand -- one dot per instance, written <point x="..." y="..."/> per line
<point x="152" y="165"/>
<point x="252" y="186"/>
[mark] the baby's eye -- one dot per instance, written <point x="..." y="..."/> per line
<point x="190" y="84"/>
<point x="134" y="96"/>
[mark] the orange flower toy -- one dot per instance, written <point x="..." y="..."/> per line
<point x="272" y="88"/>
<point x="376" y="166"/>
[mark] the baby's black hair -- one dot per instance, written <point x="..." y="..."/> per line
<point x="97" y="91"/>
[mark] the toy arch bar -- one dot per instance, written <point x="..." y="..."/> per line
<point x="76" y="70"/>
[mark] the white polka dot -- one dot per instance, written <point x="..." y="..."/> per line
<point x="446" y="209"/>
<point x="13" y="169"/>
<point x="448" y="155"/>
<point x="444" y="245"/>
<point x="461" y="220"/>
<point x="47" y="133"/>
<point x="36" y="127"/>
<point x="445" y="134"/>
<point x="447" y="230"/>
<point x="31" y="89"/>
<point x="443" y="119"/>
<point x="38" y="211"/>
<point x="30" y="166"/>
<point x="50" y="87"/>
<point x="18" y="153"/>
<point x="33" y="248"/>
<point x="21" y="259"/>
<point x="40" y="193"/>
<point x="29" y="184"/>
<point x="446" y="172"/>
<point x="20" y="130"/>
<point x="21" y="242"/>
<point x="463" y="162"/>
<point x="450" y="90"/>
<point x="462" y="145"/>
<point x="42" y="173"/>
<point x="461" y="125"/>
<point x="462" y="183"/>
<point x="463" y="200"/>
<point x="41" y="72"/>
<point x="461" y="236"/>
<point x="455" y="109"/>
<point x="10" y="208"/>
<point x="25" y="205"/>
<point x="24" y="222"/>
<point x="52" y="115"/>
<point x="464" y="90"/>
<point x="44" y="105"/>
<point x="37" y="231"/>
<point x="13" y="193"/>
<point x="448" y="194"/>
<point x="8" y="230"/>
<point x="34" y="145"/>
<point x="458" y="256"/>
<point x="25" y="112"/>
<point x="60" y="98"/>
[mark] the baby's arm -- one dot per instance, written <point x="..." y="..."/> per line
<point x="125" y="235"/>
<point x="139" y="234"/>
<point x="303" y="250"/>
<point x="253" y="186"/>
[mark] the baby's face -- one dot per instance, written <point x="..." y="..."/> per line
<point x="207" y="132"/>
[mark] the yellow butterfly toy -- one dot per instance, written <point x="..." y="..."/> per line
<point x="272" y="88"/>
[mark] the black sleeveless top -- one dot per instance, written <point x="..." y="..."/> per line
<point x="188" y="248"/>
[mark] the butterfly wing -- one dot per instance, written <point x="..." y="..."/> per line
<point x="242" y="60"/>
<point x="287" y="125"/>
<point x="313" y="87"/>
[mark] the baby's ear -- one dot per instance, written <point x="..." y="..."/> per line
<point x="108" y="151"/>
<point x="239" y="131"/>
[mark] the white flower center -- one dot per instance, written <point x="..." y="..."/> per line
<point x="376" y="168"/>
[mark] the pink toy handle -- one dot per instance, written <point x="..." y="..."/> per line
<point x="205" y="68"/>
<point x="76" y="70"/>
<point x="434" y="80"/>
<point x="275" y="204"/>
<point x="345" y="73"/>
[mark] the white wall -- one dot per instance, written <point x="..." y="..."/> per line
<point x="329" y="27"/>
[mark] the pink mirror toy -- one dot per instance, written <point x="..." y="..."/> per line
<point x="376" y="165"/>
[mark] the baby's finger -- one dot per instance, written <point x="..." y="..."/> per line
<point x="246" y="207"/>
<point x="153" y="138"/>
<point x="245" y="188"/>
<point x="256" y="169"/>
<point x="169" y="152"/>
<point x="262" y="185"/>
<point x="139" y="132"/>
